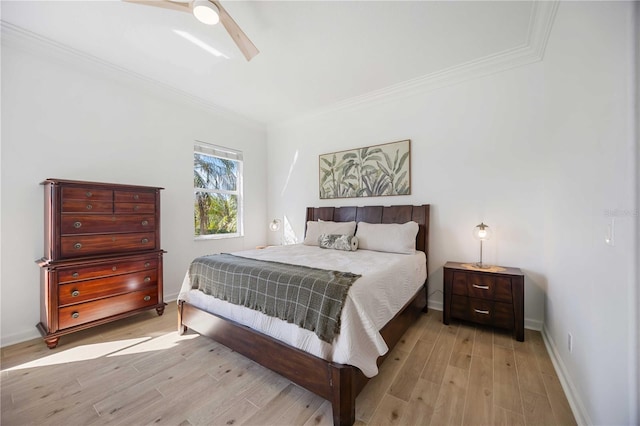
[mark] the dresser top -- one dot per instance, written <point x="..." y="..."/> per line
<point x="494" y="269"/>
<point x="54" y="181"/>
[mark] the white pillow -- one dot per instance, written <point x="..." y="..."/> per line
<point x="388" y="237"/>
<point x="315" y="229"/>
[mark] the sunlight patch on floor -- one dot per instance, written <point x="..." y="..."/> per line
<point x="166" y="341"/>
<point x="81" y="353"/>
<point x="107" y="349"/>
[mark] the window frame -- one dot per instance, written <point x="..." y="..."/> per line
<point x="211" y="150"/>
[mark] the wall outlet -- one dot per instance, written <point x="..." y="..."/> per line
<point x="570" y="342"/>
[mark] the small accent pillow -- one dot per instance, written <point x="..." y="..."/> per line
<point x="315" y="229"/>
<point x="388" y="237"/>
<point x="338" y="242"/>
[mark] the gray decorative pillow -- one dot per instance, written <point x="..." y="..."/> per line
<point x="338" y="242"/>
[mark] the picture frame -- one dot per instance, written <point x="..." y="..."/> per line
<point x="372" y="171"/>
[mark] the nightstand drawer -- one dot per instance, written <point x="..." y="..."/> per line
<point x="482" y="286"/>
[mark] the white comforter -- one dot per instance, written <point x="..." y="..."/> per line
<point x="388" y="282"/>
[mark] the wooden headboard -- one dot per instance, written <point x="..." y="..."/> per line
<point x="379" y="214"/>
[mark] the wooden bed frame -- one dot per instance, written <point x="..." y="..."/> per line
<point x="338" y="383"/>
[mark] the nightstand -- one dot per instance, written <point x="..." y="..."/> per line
<point x="492" y="296"/>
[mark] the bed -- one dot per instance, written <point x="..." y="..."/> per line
<point x="338" y="382"/>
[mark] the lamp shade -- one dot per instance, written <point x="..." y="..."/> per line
<point x="482" y="232"/>
<point x="206" y="12"/>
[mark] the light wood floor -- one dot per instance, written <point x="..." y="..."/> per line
<point x="139" y="371"/>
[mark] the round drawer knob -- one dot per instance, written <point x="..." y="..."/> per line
<point x="145" y="222"/>
<point x="89" y="206"/>
<point x="147" y="298"/>
<point x="136" y="196"/>
<point x="147" y="264"/>
<point x="77" y="246"/>
<point x="88" y="194"/>
<point x="75" y="275"/>
<point x="144" y="240"/>
<point x="114" y="268"/>
<point x="75" y="315"/>
<point x="77" y="224"/>
<point x="147" y="279"/>
<point x="75" y="293"/>
<point x="136" y="207"/>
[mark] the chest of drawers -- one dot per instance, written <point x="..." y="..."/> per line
<point x="102" y="259"/>
<point x="492" y="297"/>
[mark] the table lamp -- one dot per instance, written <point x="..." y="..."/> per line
<point x="481" y="232"/>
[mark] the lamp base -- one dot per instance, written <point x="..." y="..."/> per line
<point x="482" y="265"/>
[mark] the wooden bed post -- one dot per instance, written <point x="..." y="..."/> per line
<point x="181" y="327"/>
<point x="343" y="400"/>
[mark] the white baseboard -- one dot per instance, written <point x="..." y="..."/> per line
<point x="19" y="337"/>
<point x="570" y="390"/>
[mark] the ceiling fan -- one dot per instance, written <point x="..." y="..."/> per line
<point x="208" y="12"/>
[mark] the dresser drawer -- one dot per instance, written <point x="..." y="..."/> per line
<point x="86" y="194"/>
<point x="482" y="311"/>
<point x="86" y="206"/>
<point x="82" y="313"/>
<point x="482" y="286"/>
<point x="135" y="208"/>
<point x="86" y="245"/>
<point x="84" y="272"/>
<point x="134" y="197"/>
<point x="82" y="291"/>
<point x="94" y="224"/>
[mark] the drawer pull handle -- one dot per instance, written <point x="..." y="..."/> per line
<point x="482" y="287"/>
<point x="479" y="311"/>
<point x="77" y="224"/>
<point x="147" y="279"/>
<point x="145" y="222"/>
<point x="88" y="194"/>
<point x="89" y="206"/>
<point x="75" y="315"/>
<point x="136" y="196"/>
<point x="144" y="240"/>
<point x="147" y="298"/>
<point x="136" y="207"/>
<point x="147" y="264"/>
<point x="114" y="268"/>
<point x="75" y="275"/>
<point x="77" y="246"/>
<point x="75" y="293"/>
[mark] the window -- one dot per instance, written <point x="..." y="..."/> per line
<point x="217" y="189"/>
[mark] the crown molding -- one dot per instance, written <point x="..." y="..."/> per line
<point x="531" y="51"/>
<point x="25" y="40"/>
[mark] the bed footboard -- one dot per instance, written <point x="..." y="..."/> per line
<point x="337" y="383"/>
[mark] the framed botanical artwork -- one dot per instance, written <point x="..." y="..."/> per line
<point x="372" y="171"/>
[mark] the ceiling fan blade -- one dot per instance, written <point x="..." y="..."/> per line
<point x="248" y="49"/>
<point x="164" y="4"/>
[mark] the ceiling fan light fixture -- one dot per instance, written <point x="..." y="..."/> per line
<point x="206" y="12"/>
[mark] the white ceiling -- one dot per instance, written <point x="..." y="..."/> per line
<point x="313" y="54"/>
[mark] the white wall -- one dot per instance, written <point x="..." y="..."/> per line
<point x="540" y="153"/>
<point x="64" y="117"/>
<point x="590" y="182"/>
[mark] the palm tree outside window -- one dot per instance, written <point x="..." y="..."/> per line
<point x="217" y="188"/>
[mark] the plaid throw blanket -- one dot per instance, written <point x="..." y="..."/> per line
<point x="308" y="297"/>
